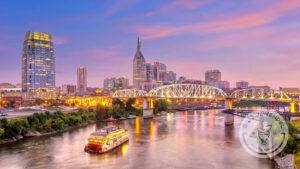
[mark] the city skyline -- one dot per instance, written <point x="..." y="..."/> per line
<point x="262" y="50"/>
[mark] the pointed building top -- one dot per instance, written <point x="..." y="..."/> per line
<point x="138" y="44"/>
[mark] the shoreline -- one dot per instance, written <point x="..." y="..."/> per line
<point x="35" y="134"/>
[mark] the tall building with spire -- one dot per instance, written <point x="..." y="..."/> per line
<point x="139" y="68"/>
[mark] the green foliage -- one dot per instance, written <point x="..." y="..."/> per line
<point x="101" y="112"/>
<point x="129" y="104"/>
<point x="1" y="133"/>
<point x="292" y="146"/>
<point x="119" y="103"/>
<point x="258" y="103"/>
<point x="48" y="125"/>
<point x="160" y="105"/>
<point x="45" y="122"/>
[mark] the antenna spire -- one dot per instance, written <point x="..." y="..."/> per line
<point x="138" y="44"/>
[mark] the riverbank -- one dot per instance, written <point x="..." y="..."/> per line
<point x="40" y="124"/>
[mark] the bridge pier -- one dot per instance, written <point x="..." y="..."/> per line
<point x="294" y="106"/>
<point x="228" y="103"/>
<point x="147" y="108"/>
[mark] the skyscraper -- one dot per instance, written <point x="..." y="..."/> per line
<point x="212" y="77"/>
<point x="139" y="67"/>
<point x="160" y="71"/>
<point x="149" y="72"/>
<point x="38" y="62"/>
<point x="81" y="80"/>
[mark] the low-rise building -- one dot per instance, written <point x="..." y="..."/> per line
<point x="112" y="84"/>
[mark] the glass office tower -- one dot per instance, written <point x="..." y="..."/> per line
<point x="38" y="62"/>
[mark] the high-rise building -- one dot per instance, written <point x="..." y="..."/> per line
<point x="121" y="83"/>
<point x="149" y="72"/>
<point x="139" y="67"/>
<point x="171" y="77"/>
<point x="38" y="62"/>
<point x="81" y="80"/>
<point x="242" y="85"/>
<point x="160" y="70"/>
<point x="212" y="77"/>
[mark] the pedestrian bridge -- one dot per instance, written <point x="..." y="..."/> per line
<point x="196" y="91"/>
<point x="175" y="91"/>
<point x="208" y="93"/>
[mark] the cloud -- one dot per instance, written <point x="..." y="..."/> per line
<point x="239" y="22"/>
<point x="118" y="6"/>
<point x="178" y="5"/>
<point x="59" y="40"/>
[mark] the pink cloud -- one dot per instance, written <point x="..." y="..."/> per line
<point x="118" y="6"/>
<point x="59" y="40"/>
<point x="178" y="5"/>
<point x="250" y="20"/>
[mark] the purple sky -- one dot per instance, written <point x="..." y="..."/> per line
<point x="254" y="40"/>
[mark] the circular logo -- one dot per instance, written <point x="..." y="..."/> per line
<point x="263" y="133"/>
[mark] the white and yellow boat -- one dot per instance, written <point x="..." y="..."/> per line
<point x="106" y="139"/>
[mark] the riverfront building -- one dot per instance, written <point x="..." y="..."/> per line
<point x="38" y="62"/>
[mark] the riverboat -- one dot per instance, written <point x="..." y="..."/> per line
<point x="106" y="139"/>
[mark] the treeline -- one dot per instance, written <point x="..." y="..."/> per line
<point x="259" y="103"/>
<point x="120" y="109"/>
<point x="43" y="123"/>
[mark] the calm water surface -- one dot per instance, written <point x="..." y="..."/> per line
<point x="184" y="140"/>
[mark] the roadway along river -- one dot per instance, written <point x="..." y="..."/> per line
<point x="182" y="140"/>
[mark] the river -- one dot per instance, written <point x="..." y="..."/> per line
<point x="183" y="140"/>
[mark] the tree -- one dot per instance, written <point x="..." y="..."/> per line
<point x="118" y="102"/>
<point x="160" y="105"/>
<point x="129" y="105"/>
<point x="101" y="112"/>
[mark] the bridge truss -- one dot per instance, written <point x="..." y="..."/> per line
<point x="187" y="91"/>
<point x="260" y="94"/>
<point x="129" y="93"/>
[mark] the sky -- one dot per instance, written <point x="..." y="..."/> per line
<point x="254" y="40"/>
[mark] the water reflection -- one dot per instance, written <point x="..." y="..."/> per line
<point x="196" y="139"/>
